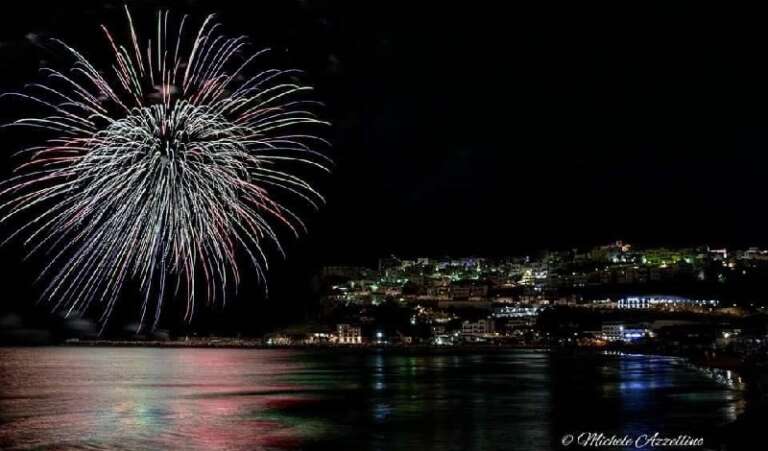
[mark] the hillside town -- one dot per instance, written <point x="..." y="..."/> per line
<point x="699" y="300"/>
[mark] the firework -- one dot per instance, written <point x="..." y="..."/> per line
<point x="165" y="170"/>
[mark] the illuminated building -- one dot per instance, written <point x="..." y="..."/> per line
<point x="515" y="311"/>
<point x="478" y="328"/>
<point x="619" y="331"/>
<point x="348" y="334"/>
<point x="665" y="302"/>
<point x="344" y="271"/>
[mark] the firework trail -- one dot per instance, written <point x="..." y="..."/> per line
<point x="162" y="170"/>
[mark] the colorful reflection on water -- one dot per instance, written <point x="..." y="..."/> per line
<point x="150" y="399"/>
<point x="239" y="399"/>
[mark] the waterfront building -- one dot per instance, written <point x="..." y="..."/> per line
<point x="620" y="331"/>
<point x="348" y="334"/>
<point x="478" y="328"/>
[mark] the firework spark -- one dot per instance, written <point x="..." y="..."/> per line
<point x="165" y="170"/>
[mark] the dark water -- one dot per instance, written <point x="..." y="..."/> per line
<point x="241" y="399"/>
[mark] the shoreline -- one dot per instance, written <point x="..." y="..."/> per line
<point x="246" y="344"/>
<point x="735" y="374"/>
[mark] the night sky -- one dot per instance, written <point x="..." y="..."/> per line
<point x="470" y="128"/>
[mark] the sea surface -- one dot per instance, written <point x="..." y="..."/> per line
<point x="255" y="399"/>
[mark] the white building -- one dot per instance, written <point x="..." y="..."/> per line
<point x="665" y="302"/>
<point x="348" y="334"/>
<point x="515" y="311"/>
<point x="619" y="331"/>
<point x="480" y="327"/>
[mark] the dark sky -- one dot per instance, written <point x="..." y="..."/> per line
<point x="494" y="128"/>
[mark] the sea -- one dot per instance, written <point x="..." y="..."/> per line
<point x="134" y="398"/>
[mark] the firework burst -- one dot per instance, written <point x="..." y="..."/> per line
<point x="165" y="170"/>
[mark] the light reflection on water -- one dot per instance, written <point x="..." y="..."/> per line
<point x="152" y="398"/>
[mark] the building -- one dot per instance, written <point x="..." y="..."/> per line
<point x="602" y="304"/>
<point x="443" y="340"/>
<point x="718" y="254"/>
<point x="477" y="328"/>
<point x="469" y="290"/>
<point x="635" y="302"/>
<point x="515" y="311"/>
<point x="754" y="253"/>
<point x="348" y="334"/>
<point x="318" y="338"/>
<point x="343" y="271"/>
<point x="665" y="302"/>
<point x="619" y="331"/>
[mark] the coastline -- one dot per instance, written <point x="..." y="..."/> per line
<point x="257" y="344"/>
<point x="732" y="372"/>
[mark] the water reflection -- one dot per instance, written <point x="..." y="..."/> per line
<point x="111" y="398"/>
<point x="149" y="399"/>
